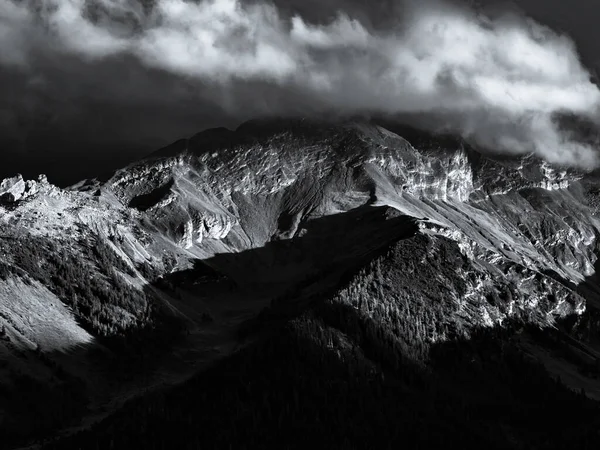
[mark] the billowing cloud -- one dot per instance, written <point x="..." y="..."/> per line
<point x="500" y="80"/>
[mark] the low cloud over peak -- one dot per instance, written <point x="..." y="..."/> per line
<point x="498" y="79"/>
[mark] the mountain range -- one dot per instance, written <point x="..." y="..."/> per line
<point x="297" y="282"/>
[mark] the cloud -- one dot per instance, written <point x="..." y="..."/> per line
<point x="499" y="79"/>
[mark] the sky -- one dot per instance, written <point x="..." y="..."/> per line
<point x="88" y="85"/>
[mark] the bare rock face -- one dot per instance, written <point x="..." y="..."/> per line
<point x="15" y="189"/>
<point x="227" y="191"/>
<point x="12" y="189"/>
<point x="527" y="231"/>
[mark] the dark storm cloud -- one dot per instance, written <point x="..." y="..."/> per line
<point x="125" y="72"/>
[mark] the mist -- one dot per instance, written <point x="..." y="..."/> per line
<point x="107" y="75"/>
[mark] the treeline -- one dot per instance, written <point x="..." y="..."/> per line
<point x="314" y="385"/>
<point x="91" y="278"/>
<point x="405" y="289"/>
<point x="383" y="363"/>
<point x="92" y="282"/>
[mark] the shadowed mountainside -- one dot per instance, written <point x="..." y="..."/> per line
<point x="342" y="239"/>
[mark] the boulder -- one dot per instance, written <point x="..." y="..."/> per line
<point x="12" y="189"/>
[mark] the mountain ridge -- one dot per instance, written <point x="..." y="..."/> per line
<point x="276" y="207"/>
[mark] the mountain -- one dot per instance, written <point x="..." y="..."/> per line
<point x="362" y="252"/>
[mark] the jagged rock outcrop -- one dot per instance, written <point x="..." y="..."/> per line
<point x="12" y="189"/>
<point x="15" y="189"/>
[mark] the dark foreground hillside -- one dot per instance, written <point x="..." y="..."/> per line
<point x="358" y="369"/>
<point x="312" y="385"/>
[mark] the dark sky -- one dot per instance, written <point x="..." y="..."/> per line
<point x="73" y="118"/>
<point x="578" y="18"/>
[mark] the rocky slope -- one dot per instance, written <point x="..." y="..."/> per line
<point x="286" y="211"/>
